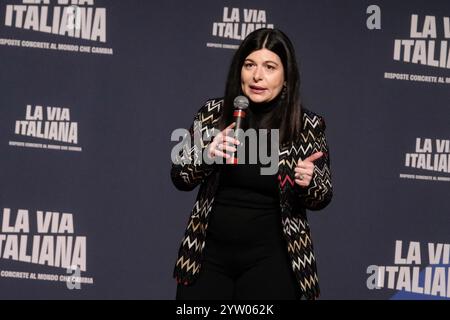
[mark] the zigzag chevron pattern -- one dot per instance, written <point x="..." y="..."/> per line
<point x="188" y="265"/>
<point x="294" y="201"/>
<point x="303" y="261"/>
<point x="294" y="224"/>
<point x="309" y="284"/>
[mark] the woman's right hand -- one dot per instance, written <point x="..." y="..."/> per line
<point x="223" y="142"/>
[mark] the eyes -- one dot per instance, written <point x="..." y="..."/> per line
<point x="268" y="66"/>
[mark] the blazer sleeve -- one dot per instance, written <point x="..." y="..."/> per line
<point x="320" y="191"/>
<point x="189" y="168"/>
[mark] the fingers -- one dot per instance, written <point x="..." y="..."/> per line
<point x="231" y="125"/>
<point x="314" y="156"/>
<point x="304" y="170"/>
<point x="308" y="162"/>
<point x="228" y="139"/>
<point x="226" y="135"/>
<point x="304" y="166"/>
<point x="221" y="154"/>
<point x="228" y="129"/>
<point x="218" y="150"/>
<point x="223" y="143"/>
<point x="303" y="183"/>
<point x="226" y="147"/>
<point x="221" y="151"/>
<point x="303" y="177"/>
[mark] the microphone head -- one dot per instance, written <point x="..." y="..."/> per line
<point x="241" y="102"/>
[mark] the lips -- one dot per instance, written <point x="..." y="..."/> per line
<point x="257" y="89"/>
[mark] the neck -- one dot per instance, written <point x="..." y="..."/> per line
<point x="264" y="107"/>
<point x="262" y="113"/>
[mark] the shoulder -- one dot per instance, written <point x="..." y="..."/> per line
<point x="211" y="106"/>
<point x="209" y="113"/>
<point x="312" y="120"/>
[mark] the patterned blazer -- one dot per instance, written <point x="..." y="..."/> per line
<point x="189" y="171"/>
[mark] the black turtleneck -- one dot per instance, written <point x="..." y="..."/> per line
<point x="246" y="201"/>
<point x="260" y="114"/>
<point x="242" y="184"/>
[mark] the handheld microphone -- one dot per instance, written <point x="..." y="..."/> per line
<point x="240" y="104"/>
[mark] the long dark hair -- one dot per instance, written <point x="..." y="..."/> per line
<point x="289" y="119"/>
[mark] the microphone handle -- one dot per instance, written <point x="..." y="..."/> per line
<point x="239" y="116"/>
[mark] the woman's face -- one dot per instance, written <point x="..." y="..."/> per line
<point x="262" y="76"/>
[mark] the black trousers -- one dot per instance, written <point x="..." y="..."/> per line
<point x="243" y="272"/>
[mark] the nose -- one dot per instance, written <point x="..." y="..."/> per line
<point x="257" y="74"/>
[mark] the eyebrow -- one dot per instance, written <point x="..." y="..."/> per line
<point x="268" y="61"/>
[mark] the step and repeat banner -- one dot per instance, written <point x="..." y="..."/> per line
<point x="92" y="90"/>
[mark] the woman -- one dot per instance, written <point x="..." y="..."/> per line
<point x="248" y="236"/>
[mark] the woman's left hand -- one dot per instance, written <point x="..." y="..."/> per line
<point x="305" y="169"/>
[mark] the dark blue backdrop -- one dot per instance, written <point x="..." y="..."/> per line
<point x="126" y="104"/>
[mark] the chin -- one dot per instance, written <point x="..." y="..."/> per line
<point x="257" y="98"/>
